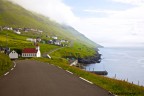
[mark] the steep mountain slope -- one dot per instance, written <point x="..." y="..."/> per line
<point x="81" y="36"/>
<point x="15" y="16"/>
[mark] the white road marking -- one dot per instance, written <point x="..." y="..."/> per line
<point x="59" y="67"/>
<point x="12" y="68"/>
<point x="85" y="80"/>
<point x="69" y="72"/>
<point x="112" y="94"/>
<point x="6" y="73"/>
<point x="14" y="64"/>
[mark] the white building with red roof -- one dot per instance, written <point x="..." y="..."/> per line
<point x="31" y="52"/>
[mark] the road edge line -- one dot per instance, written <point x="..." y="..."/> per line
<point x="12" y="69"/>
<point x="14" y="64"/>
<point x="69" y="72"/>
<point x="6" y="73"/>
<point x="85" y="80"/>
<point x="59" y="67"/>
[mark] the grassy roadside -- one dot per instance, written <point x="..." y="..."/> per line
<point x="118" y="87"/>
<point x="5" y="64"/>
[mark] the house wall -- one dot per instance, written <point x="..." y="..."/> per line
<point x="13" y="55"/>
<point x="29" y="55"/>
<point x="38" y="54"/>
<point x="57" y="43"/>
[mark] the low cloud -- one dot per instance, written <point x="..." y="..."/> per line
<point x="133" y="2"/>
<point x="102" y="11"/>
<point x="55" y="9"/>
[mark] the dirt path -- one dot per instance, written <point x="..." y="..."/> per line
<point x="45" y="54"/>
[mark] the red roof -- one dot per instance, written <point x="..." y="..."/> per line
<point x="29" y="50"/>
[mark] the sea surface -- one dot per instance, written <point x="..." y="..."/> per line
<point x="122" y="63"/>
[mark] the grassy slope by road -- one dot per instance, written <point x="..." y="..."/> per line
<point x="5" y="63"/>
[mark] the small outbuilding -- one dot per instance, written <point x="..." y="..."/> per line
<point x="13" y="55"/>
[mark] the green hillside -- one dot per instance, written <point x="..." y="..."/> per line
<point x="16" y="16"/>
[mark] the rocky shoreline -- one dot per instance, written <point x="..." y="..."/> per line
<point x="91" y="59"/>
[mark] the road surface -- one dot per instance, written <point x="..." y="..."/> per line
<point x="33" y="78"/>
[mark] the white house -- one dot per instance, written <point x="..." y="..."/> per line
<point x="55" y="37"/>
<point x="31" y="52"/>
<point x="7" y="28"/>
<point x="57" y="42"/>
<point x="13" y="55"/>
<point x="30" y="39"/>
<point x="17" y="32"/>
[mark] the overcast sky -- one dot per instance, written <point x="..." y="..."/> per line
<point x="107" y="22"/>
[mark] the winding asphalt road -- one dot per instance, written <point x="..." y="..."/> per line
<point x="33" y="78"/>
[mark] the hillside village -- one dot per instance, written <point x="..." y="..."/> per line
<point x="19" y="30"/>
<point x="30" y="52"/>
<point x="53" y="39"/>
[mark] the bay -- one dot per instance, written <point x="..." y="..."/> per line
<point x="124" y="63"/>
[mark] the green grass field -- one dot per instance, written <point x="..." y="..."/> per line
<point x="75" y="51"/>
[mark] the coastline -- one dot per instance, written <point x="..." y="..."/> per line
<point x="90" y="59"/>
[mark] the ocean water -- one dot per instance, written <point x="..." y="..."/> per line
<point x="124" y="63"/>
